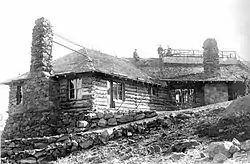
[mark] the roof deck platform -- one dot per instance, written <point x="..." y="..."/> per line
<point x="182" y="56"/>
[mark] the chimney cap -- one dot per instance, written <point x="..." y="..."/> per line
<point x="209" y="43"/>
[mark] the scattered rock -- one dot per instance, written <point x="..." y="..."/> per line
<point x="219" y="147"/>
<point x="112" y="122"/>
<point x="219" y="158"/>
<point x="176" y="156"/>
<point x="40" y="145"/>
<point x="82" y="124"/>
<point x="92" y="115"/>
<point x="237" y="154"/>
<point x="245" y="145"/>
<point x="139" y="116"/>
<point x="236" y="142"/>
<point x="30" y="160"/>
<point x="102" y="123"/>
<point x="125" y="118"/>
<point x="86" y="143"/>
<point x="108" y="115"/>
<point x="194" y="153"/>
<point x="183" y="116"/>
<point x="234" y="149"/>
<point x="100" y="114"/>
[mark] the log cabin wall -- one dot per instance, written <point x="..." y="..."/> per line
<point x="95" y="94"/>
<point x="84" y="101"/>
<point x="136" y="95"/>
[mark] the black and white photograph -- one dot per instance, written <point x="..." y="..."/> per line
<point x="125" y="82"/>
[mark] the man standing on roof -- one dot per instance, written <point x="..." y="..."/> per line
<point x="136" y="56"/>
<point x="160" y="51"/>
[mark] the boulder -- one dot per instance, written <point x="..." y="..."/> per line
<point x="102" y="123"/>
<point x="236" y="142"/>
<point x="104" y="136"/>
<point x="100" y="114"/>
<point x="82" y="124"/>
<point x="234" y="149"/>
<point x="194" y="153"/>
<point x="112" y="122"/>
<point x="227" y="148"/>
<point x="108" y="115"/>
<point x="92" y="115"/>
<point x="177" y="156"/>
<point x="118" y="116"/>
<point x="86" y="143"/>
<point x="149" y="114"/>
<point x="28" y="160"/>
<point x="237" y="154"/>
<point x="245" y="145"/>
<point x="125" y="118"/>
<point x="139" y="116"/>
<point x="40" y="145"/>
<point x="219" y="158"/>
<point x="183" y="116"/>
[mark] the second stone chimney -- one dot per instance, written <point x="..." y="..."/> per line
<point x="211" y="57"/>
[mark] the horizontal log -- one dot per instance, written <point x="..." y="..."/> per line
<point x="76" y="106"/>
<point x="98" y="104"/>
<point x="101" y="84"/>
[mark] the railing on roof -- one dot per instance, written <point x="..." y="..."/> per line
<point x="196" y="53"/>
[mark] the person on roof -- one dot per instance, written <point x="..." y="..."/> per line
<point x="160" y="51"/>
<point x="136" y="56"/>
<point x="169" y="51"/>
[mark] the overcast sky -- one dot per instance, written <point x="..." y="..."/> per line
<point x="118" y="27"/>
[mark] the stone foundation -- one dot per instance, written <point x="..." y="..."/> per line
<point x="49" y="123"/>
<point x="38" y="149"/>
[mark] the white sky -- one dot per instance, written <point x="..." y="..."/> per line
<point x="115" y="27"/>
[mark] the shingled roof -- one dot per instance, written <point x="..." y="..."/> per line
<point x="100" y="62"/>
<point x="226" y="73"/>
<point x="230" y="70"/>
<point x="94" y="61"/>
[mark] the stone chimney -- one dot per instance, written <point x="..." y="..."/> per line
<point x="38" y="89"/>
<point x="41" y="50"/>
<point x="211" y="57"/>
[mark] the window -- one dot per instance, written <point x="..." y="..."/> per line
<point x="153" y="91"/>
<point x="75" y="87"/>
<point x="118" y="91"/>
<point x="19" y="95"/>
<point x="184" y="95"/>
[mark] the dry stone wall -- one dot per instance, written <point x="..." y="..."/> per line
<point x="49" y="123"/>
<point x="44" y="149"/>
<point x="13" y="106"/>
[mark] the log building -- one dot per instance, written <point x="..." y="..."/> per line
<point x="91" y="80"/>
<point x="199" y="77"/>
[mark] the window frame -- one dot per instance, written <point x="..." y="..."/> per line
<point x="19" y="95"/>
<point x="118" y="91"/>
<point x="77" y="86"/>
<point x="153" y="91"/>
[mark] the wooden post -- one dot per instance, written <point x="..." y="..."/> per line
<point x="111" y="94"/>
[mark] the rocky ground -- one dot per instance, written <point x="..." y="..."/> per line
<point x="187" y="137"/>
<point x="208" y="135"/>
